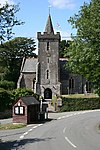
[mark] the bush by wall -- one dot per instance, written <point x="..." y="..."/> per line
<point x="75" y="104"/>
<point x="7" y="85"/>
<point x="5" y="100"/>
<point x="22" y="92"/>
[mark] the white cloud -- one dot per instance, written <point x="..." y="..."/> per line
<point x="62" y="4"/>
<point x="65" y="35"/>
<point x="2" y="2"/>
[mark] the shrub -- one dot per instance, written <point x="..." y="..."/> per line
<point x="7" y="85"/>
<point x="75" y="104"/>
<point x="5" y="100"/>
<point x="22" y="92"/>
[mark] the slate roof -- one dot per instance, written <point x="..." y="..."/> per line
<point x="64" y="73"/>
<point x="49" y="26"/>
<point x="30" y="65"/>
<point x="29" y="100"/>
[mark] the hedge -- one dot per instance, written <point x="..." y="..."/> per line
<point x="75" y="104"/>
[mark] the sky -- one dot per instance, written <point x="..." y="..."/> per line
<point x="35" y="13"/>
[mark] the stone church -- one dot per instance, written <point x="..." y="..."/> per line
<point x="46" y="75"/>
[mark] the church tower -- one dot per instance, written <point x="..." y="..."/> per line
<point x="48" y="80"/>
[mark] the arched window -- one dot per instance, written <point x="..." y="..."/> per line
<point x="71" y="83"/>
<point x="48" y="60"/>
<point x="34" y="80"/>
<point x="47" y="74"/>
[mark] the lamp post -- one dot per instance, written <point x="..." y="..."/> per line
<point x="41" y="103"/>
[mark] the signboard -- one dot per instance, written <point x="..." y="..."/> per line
<point x="16" y="110"/>
<point x="19" y="110"/>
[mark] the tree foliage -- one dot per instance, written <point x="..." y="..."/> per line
<point x="7" y="85"/>
<point x="84" y="52"/>
<point x="22" y="92"/>
<point x="64" y="45"/>
<point x="17" y="48"/>
<point x="8" y="20"/>
<point x="7" y="98"/>
<point x="5" y="101"/>
<point x="11" y="54"/>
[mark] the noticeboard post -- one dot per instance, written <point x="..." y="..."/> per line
<point x="59" y="102"/>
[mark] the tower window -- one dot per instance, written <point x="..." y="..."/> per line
<point x="48" y="60"/>
<point x="47" y="74"/>
<point x="48" y="46"/>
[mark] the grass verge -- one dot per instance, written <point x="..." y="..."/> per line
<point x="11" y="126"/>
<point x="89" y="95"/>
<point x="99" y="127"/>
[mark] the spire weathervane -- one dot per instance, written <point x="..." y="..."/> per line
<point x="49" y="8"/>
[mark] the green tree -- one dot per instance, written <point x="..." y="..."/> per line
<point x="11" y="54"/>
<point x="5" y="100"/>
<point x="64" y="45"/>
<point x="7" y="85"/>
<point x="8" y="20"/>
<point x="84" y="52"/>
<point x="22" y="92"/>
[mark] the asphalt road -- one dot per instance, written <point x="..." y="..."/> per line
<point x="67" y="131"/>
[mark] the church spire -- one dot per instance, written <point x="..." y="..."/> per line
<point x="49" y="26"/>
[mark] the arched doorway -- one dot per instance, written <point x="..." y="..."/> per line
<point x="47" y="94"/>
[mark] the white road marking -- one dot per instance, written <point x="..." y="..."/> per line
<point x="25" y="133"/>
<point x="34" y="127"/>
<point x="65" y="116"/>
<point x="30" y="130"/>
<point x="70" y="142"/>
<point x="40" y="125"/>
<point x="59" y="118"/>
<point x="22" y="136"/>
<point x="77" y="113"/>
<point x="64" y="130"/>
